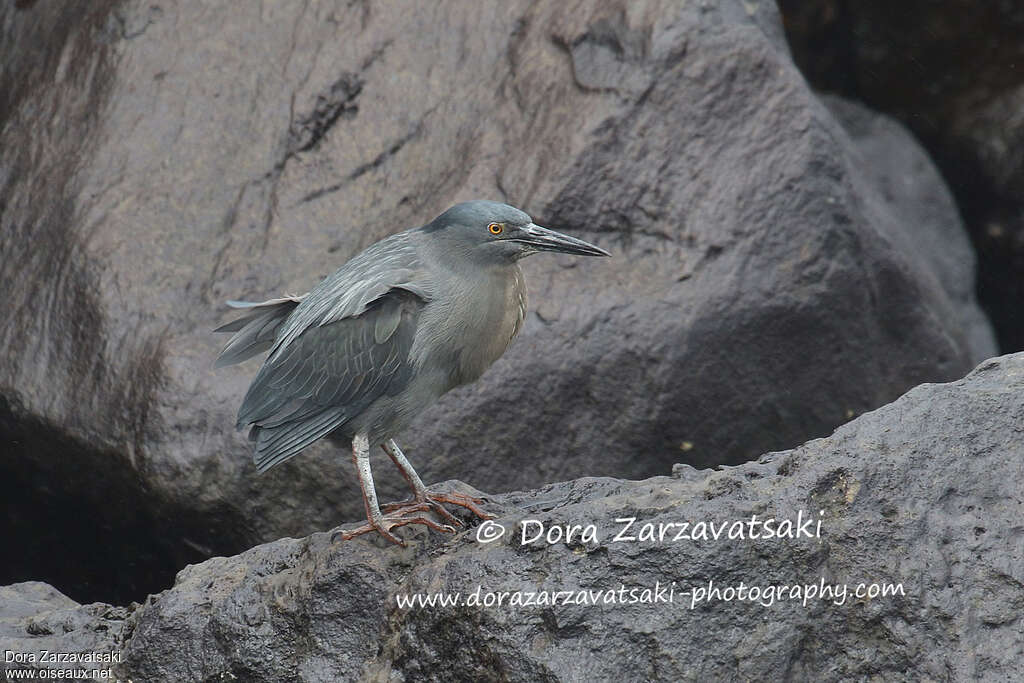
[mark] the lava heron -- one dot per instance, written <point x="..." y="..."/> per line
<point x="409" y="318"/>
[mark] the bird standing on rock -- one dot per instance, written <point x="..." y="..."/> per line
<point x="406" y="320"/>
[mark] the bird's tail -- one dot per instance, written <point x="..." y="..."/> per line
<point x="256" y="330"/>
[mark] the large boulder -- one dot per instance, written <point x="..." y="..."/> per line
<point x="43" y="630"/>
<point x="952" y="72"/>
<point x="775" y="273"/>
<point x="921" y="496"/>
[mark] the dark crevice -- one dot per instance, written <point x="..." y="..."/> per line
<point x="316" y="194"/>
<point x="363" y="169"/>
<point x="338" y="102"/>
<point x="384" y="156"/>
<point x="305" y="133"/>
<point x="377" y="53"/>
<point x="80" y="518"/>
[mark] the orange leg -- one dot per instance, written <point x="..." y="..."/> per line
<point x="421" y="496"/>
<point x="376" y="521"/>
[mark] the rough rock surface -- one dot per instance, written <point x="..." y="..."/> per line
<point x="924" y="492"/>
<point x="160" y="158"/>
<point x="954" y="73"/>
<point x="37" y="621"/>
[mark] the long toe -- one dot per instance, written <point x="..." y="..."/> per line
<point x="426" y="521"/>
<point x="469" y="502"/>
<point x="382" y="529"/>
<point x="439" y="510"/>
<point x="427" y="505"/>
<point x="399" y="505"/>
<point x="406" y="507"/>
<point x="398" y="516"/>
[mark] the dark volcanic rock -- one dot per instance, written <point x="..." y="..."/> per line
<point x="159" y="159"/>
<point x="924" y="493"/>
<point x="39" y="626"/>
<point x="954" y="73"/>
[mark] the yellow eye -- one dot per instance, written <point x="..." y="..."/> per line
<point x="495" y="228"/>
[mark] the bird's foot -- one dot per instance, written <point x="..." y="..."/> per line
<point x="385" y="523"/>
<point x="435" y="500"/>
<point x="421" y="505"/>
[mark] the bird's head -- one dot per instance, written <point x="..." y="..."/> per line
<point x="499" y="233"/>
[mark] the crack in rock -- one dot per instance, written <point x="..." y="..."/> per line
<point x="339" y="101"/>
<point x="363" y="169"/>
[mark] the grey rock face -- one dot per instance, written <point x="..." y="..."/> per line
<point x="951" y="72"/>
<point x="41" y="629"/>
<point x="923" y="493"/>
<point x="159" y="160"/>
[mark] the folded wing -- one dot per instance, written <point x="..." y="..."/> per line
<point x="333" y="351"/>
<point x="328" y="374"/>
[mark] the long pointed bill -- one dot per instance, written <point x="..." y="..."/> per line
<point x="543" y="239"/>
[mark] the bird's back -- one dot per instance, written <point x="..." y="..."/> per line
<point x="393" y="262"/>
